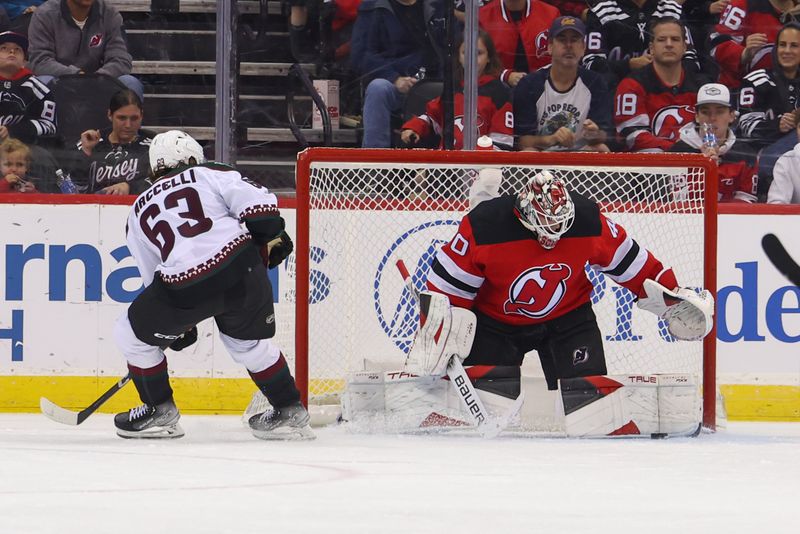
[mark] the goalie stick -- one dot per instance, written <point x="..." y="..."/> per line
<point x="781" y="259"/>
<point x="488" y="426"/>
<point x="58" y="414"/>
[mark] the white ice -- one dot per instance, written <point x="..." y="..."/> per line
<point x="219" y="479"/>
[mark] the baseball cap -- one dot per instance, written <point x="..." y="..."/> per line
<point x="14" y="37"/>
<point x="714" y="93"/>
<point x="562" y="24"/>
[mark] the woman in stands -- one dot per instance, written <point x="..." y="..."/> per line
<point x="115" y="160"/>
<point x="495" y="116"/>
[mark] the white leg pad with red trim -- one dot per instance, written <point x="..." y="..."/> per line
<point x="632" y="405"/>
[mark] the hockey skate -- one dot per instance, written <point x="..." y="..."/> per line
<point x="287" y="423"/>
<point x="150" y="422"/>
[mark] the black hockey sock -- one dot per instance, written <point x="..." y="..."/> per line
<point x="152" y="383"/>
<point x="277" y="384"/>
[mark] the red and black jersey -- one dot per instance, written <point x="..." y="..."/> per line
<point x="506" y="33"/>
<point x="494" y="265"/>
<point x="765" y="95"/>
<point x="649" y="114"/>
<point x="495" y="115"/>
<point x="740" y="19"/>
<point x="737" y="169"/>
<point x="27" y="107"/>
<point x="617" y="30"/>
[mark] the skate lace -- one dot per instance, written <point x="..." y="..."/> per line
<point x="138" y="412"/>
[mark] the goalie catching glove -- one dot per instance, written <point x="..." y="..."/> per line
<point x="277" y="250"/>
<point x="689" y="315"/>
<point x="444" y="332"/>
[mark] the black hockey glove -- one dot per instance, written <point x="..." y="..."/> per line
<point x="187" y="339"/>
<point x="277" y="250"/>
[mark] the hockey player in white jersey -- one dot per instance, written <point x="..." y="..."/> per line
<point x="197" y="261"/>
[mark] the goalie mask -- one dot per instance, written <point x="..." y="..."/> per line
<point x="171" y="149"/>
<point x="545" y="208"/>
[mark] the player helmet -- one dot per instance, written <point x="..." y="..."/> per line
<point x="173" y="148"/>
<point x="545" y="208"/>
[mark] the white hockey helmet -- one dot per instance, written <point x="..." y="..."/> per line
<point x="545" y="208"/>
<point x="173" y="148"/>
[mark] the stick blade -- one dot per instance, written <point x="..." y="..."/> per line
<point x="56" y="413"/>
<point x="781" y="259"/>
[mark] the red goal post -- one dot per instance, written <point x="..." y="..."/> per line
<point x="359" y="210"/>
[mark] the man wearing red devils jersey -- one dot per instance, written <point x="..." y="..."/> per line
<point x="655" y="102"/>
<point x="518" y="262"/>
<point x="519" y="31"/>
<point x="743" y="40"/>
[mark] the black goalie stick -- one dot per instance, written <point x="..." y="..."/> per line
<point x="68" y="417"/>
<point x="781" y="259"/>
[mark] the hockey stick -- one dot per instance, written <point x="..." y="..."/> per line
<point x="58" y="414"/>
<point x="781" y="259"/>
<point x="488" y="426"/>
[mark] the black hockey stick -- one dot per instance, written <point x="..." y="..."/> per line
<point x="68" y="417"/>
<point x="781" y="259"/>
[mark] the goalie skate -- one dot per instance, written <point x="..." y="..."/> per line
<point x="288" y="423"/>
<point x="150" y="422"/>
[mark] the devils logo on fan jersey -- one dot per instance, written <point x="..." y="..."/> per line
<point x="96" y="40"/>
<point x="537" y="291"/>
<point x="668" y="120"/>
<point x="541" y="44"/>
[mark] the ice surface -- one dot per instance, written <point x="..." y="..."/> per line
<point x="219" y="479"/>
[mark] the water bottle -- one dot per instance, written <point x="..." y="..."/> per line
<point x="707" y="135"/>
<point x="65" y="183"/>
<point x="420" y="75"/>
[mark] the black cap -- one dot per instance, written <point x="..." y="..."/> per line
<point x="14" y="37"/>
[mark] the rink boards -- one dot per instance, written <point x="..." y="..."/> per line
<point x="68" y="276"/>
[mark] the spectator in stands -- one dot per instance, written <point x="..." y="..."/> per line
<point x="742" y="40"/>
<point x="656" y="101"/>
<point x="115" y="161"/>
<point x="495" y="117"/>
<point x="735" y="159"/>
<point x="337" y="15"/>
<point x="20" y="13"/>
<point x="403" y="44"/>
<point x="768" y="102"/>
<point x="701" y="16"/>
<point x="15" y="157"/>
<point x="618" y="42"/>
<point x="80" y="37"/>
<point x="563" y="106"/>
<point x="519" y="31"/>
<point x="27" y="109"/>
<point x="785" y="186"/>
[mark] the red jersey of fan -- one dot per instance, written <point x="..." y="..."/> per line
<point x="649" y="113"/>
<point x="495" y="116"/>
<point x="536" y="20"/>
<point x="740" y="19"/>
<point x="495" y="265"/>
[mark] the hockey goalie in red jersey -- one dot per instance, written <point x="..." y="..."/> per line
<point x="518" y="262"/>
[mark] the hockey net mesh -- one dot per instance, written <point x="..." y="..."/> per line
<point x="363" y="217"/>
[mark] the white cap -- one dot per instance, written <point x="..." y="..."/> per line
<point x="714" y="93"/>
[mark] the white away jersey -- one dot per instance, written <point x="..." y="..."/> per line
<point x="188" y="224"/>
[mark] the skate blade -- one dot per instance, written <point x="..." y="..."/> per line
<point x="157" y="432"/>
<point x="286" y="433"/>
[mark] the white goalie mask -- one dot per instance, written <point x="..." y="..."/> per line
<point x="173" y="148"/>
<point x="545" y="208"/>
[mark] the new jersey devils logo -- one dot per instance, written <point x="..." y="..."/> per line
<point x="95" y="40"/>
<point x="668" y="121"/>
<point x="541" y="44"/>
<point x="537" y="291"/>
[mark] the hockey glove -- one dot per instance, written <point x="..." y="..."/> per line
<point x="689" y="315"/>
<point x="277" y="250"/>
<point x="186" y="339"/>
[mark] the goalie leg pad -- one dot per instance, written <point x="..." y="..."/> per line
<point x="631" y="405"/>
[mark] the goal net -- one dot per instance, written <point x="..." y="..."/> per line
<point x="359" y="211"/>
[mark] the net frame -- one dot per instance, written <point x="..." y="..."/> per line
<point x="372" y="157"/>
